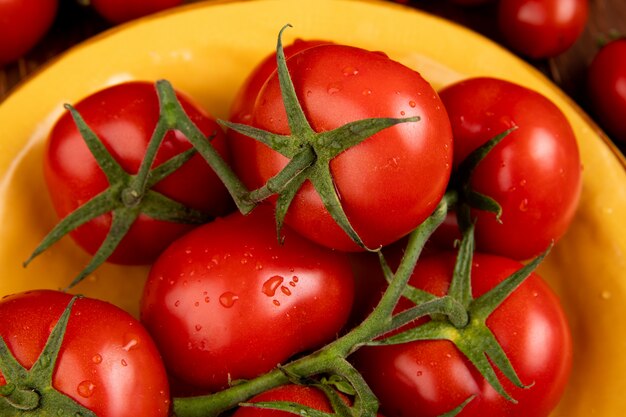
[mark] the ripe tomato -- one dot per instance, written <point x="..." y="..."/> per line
<point x="607" y="88"/>
<point x="227" y="301"/>
<point x="124" y="117"/>
<point x="107" y="361"/>
<point x="22" y="24"/>
<point x="534" y="173"/>
<point x="118" y="11"/>
<point x="387" y="184"/>
<point x="542" y="28"/>
<point x="304" y="395"/>
<point x="429" y="378"/>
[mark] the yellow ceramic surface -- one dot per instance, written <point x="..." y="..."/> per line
<point x="206" y="49"/>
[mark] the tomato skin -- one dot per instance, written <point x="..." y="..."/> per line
<point x="107" y="362"/>
<point x="606" y="80"/>
<point x="534" y="173"/>
<point x="404" y="169"/>
<point x="22" y="24"/>
<point x="542" y="28"/>
<point x="119" y="11"/>
<point x="429" y="378"/>
<point x="124" y="117"/>
<point x="227" y="301"/>
<point x="301" y="394"/>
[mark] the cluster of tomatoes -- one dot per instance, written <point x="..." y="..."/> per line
<point x="23" y="23"/>
<point x="343" y="154"/>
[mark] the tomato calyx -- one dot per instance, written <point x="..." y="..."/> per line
<point x="310" y="152"/>
<point x="128" y="195"/>
<point x="29" y="392"/>
<point x="468" y="197"/>
<point x="472" y="337"/>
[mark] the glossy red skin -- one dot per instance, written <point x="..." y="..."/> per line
<point x="389" y="183"/>
<point x="534" y="173"/>
<point x="301" y="394"/>
<point x="542" y="28"/>
<point x="124" y="117"/>
<point x="108" y="363"/>
<point x="607" y="88"/>
<point x="429" y="378"/>
<point x="243" y="105"/>
<point x="227" y="301"/>
<point x="22" y="24"/>
<point x="119" y="11"/>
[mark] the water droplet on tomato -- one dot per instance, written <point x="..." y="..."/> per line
<point x="228" y="299"/>
<point x="523" y="205"/>
<point x="285" y="290"/>
<point x="350" y="70"/>
<point x="85" y="389"/>
<point x="97" y="358"/>
<point x="198" y="327"/>
<point x="412" y="103"/>
<point x="271" y="285"/>
<point x="124" y="363"/>
<point x="207" y="299"/>
<point x="130" y="344"/>
<point x="402" y="113"/>
<point x="366" y="92"/>
<point x="419" y="373"/>
<point x="276" y="303"/>
<point x="333" y="88"/>
<point x="177" y="303"/>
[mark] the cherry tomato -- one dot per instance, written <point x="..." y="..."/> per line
<point x="124" y="117"/>
<point x="107" y="361"/>
<point x="429" y="378"/>
<point x="118" y="11"/>
<point x="607" y="88"/>
<point x="534" y="173"/>
<point x="542" y="28"/>
<point x="227" y="301"/>
<point x="387" y="184"/>
<point x="22" y="24"/>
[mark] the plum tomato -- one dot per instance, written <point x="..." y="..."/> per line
<point x="542" y="28"/>
<point x="387" y="184"/>
<point x="534" y="173"/>
<point x="22" y="24"/>
<point x="124" y="117"/>
<point x="107" y="361"/>
<point x="606" y="81"/>
<point x="431" y="377"/>
<point x="119" y="11"/>
<point x="227" y="301"/>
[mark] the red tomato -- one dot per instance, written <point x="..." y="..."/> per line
<point x="607" y="88"/>
<point x="107" y="362"/>
<point x="300" y="394"/>
<point x="243" y="105"/>
<point x="542" y="28"/>
<point x="22" y="24"/>
<point x="389" y="183"/>
<point x="227" y="301"/>
<point x="124" y="117"/>
<point x="118" y="11"/>
<point x="429" y="378"/>
<point x="534" y="173"/>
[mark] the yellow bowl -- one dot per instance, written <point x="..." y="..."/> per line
<point x="206" y="50"/>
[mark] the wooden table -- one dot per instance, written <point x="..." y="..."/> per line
<point x="568" y="70"/>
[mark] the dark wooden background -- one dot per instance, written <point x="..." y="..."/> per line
<point x="568" y="70"/>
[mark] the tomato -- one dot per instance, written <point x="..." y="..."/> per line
<point x="307" y="396"/>
<point x="429" y="378"/>
<point x="243" y="104"/>
<point x="607" y="88"/>
<point x="124" y="117"/>
<point x="107" y="361"/>
<point x="387" y="184"/>
<point x="22" y="24"/>
<point x="542" y="28"/>
<point x="118" y="11"/>
<point x="227" y="301"/>
<point x="534" y="173"/>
